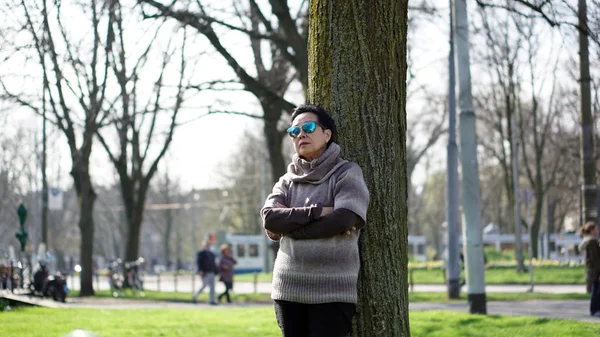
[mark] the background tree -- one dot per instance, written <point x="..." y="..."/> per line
<point x="284" y="33"/>
<point x="166" y="192"/>
<point x="286" y="41"/>
<point x="565" y="14"/>
<point x="74" y="73"/>
<point x="357" y="70"/>
<point x="139" y="112"/>
<point x="498" y="102"/>
<point x="17" y="182"/>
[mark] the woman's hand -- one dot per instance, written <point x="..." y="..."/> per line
<point x="349" y="232"/>
<point x="273" y="236"/>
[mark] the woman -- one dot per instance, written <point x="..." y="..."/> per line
<point x="591" y="252"/>
<point x="226" y="263"/>
<point x="316" y="210"/>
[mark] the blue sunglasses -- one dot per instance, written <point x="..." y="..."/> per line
<point x="308" y="127"/>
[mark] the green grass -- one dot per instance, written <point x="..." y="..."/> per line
<point x="413" y="297"/>
<point x="493" y="275"/>
<point x="454" y="324"/>
<point x="181" y="297"/>
<point x="442" y="297"/>
<point x="261" y="277"/>
<point x="260" y="322"/>
<point x="541" y="275"/>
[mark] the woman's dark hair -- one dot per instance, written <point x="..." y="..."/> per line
<point x="323" y="117"/>
<point x="587" y="228"/>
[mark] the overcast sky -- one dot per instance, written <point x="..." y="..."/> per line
<point x="201" y="148"/>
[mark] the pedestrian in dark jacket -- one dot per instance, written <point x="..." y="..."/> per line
<point x="207" y="270"/>
<point x="226" y="263"/>
<point x="591" y="251"/>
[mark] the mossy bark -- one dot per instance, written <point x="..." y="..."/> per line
<point x="357" y="71"/>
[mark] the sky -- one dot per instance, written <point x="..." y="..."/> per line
<point x="201" y="148"/>
<point x="196" y="156"/>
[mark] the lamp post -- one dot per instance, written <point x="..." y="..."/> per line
<point x="22" y="236"/>
<point x="196" y="197"/>
<point x="22" y="233"/>
<point x="192" y="208"/>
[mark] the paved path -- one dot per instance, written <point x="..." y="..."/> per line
<point x="510" y="288"/>
<point x="568" y="309"/>
<point x="562" y="309"/>
<point x="169" y="283"/>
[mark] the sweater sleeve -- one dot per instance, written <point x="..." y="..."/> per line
<point x="351" y="193"/>
<point x="282" y="220"/>
<point x="335" y="223"/>
<point x="286" y="220"/>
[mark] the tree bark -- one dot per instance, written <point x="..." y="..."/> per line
<point x="357" y="70"/>
<point x="588" y="166"/>
<point x="87" y="197"/>
<point x="274" y="140"/>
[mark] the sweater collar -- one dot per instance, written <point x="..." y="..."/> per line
<point x="315" y="171"/>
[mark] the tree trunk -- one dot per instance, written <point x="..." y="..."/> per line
<point x="87" y="197"/>
<point x="357" y="70"/>
<point x="133" y="237"/>
<point x="274" y="139"/>
<point x="537" y="222"/>
<point x="588" y="166"/>
<point x="135" y="218"/>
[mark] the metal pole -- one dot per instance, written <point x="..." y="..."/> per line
<point x="267" y="242"/>
<point x="530" y="245"/>
<point x="452" y="197"/>
<point x="517" y="205"/>
<point x="580" y="204"/>
<point x="194" y="242"/>
<point x="44" y="177"/>
<point x="472" y="239"/>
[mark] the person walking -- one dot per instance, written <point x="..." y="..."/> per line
<point x="591" y="252"/>
<point x="225" y="265"/>
<point x="207" y="269"/>
<point x="316" y="211"/>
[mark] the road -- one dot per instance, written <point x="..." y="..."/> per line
<point x="170" y="283"/>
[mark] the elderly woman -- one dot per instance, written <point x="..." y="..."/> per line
<point x="316" y="211"/>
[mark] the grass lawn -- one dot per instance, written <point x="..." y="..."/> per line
<point x="260" y="322"/>
<point x="542" y="275"/>
<point x="413" y="297"/>
<point x="493" y="275"/>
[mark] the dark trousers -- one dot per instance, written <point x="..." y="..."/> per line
<point x="314" y="320"/>
<point x="228" y="286"/>
<point x="595" y="298"/>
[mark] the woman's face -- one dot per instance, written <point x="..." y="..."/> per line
<point x="310" y="145"/>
